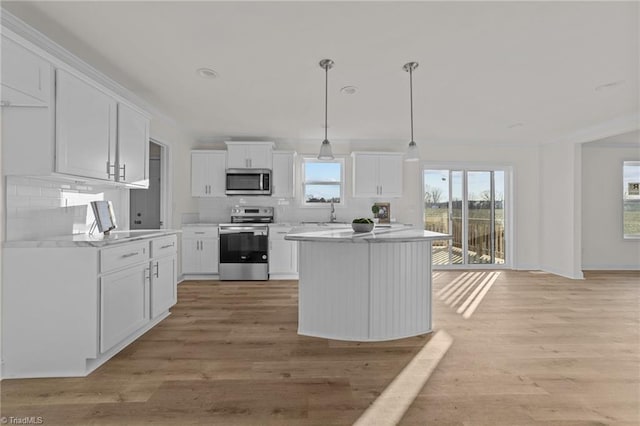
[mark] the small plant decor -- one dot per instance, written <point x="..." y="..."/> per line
<point x="375" y="209"/>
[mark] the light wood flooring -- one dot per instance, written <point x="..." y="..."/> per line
<point x="539" y="350"/>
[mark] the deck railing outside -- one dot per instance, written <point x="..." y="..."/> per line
<point x="479" y="233"/>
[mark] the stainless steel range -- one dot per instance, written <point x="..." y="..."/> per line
<point x="244" y="244"/>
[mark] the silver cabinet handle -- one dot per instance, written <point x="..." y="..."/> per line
<point x="157" y="270"/>
<point x="167" y="246"/>
<point x="124" y="172"/>
<point x="124" y="256"/>
<point x="199" y="245"/>
<point x="199" y="233"/>
<point x="109" y="167"/>
<point x="147" y="271"/>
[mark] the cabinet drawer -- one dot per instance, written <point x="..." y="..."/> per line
<point x="164" y="246"/>
<point x="200" y="232"/>
<point x="278" y="232"/>
<point x="123" y="255"/>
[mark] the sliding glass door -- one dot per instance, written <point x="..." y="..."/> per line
<point x="470" y="205"/>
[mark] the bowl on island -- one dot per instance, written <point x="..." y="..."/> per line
<point x="362" y="225"/>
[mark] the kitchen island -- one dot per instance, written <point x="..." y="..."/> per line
<point x="369" y="286"/>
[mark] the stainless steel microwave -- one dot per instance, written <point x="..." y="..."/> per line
<point x="248" y="182"/>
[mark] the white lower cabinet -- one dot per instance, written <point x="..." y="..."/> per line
<point x="200" y="250"/>
<point x="163" y="285"/>
<point x="283" y="254"/>
<point x="82" y="304"/>
<point x="124" y="304"/>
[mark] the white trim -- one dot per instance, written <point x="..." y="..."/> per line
<point x="611" y="267"/>
<point x="166" y="184"/>
<point x="577" y="276"/>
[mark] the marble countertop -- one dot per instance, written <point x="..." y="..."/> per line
<point x="96" y="240"/>
<point x="387" y="234"/>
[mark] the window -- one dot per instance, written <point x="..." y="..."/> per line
<point x="631" y="198"/>
<point x="322" y="181"/>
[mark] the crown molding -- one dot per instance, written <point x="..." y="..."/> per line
<point x="60" y="54"/>
<point x="616" y="126"/>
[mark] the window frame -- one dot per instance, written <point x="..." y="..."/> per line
<point x="304" y="183"/>
<point x="625" y="197"/>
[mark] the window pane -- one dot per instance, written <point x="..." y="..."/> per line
<point x="322" y="172"/>
<point x="631" y="197"/>
<point x="322" y="193"/>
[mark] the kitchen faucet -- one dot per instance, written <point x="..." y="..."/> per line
<point x="332" y="218"/>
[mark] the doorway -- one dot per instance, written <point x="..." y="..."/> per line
<point x="469" y="204"/>
<point x="145" y="205"/>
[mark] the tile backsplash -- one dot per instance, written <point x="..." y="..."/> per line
<point x="41" y="208"/>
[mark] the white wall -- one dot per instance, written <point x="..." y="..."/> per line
<point x="602" y="242"/>
<point x="560" y="217"/>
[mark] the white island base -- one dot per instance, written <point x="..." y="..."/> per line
<point x="365" y="290"/>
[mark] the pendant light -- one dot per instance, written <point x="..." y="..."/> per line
<point x="325" y="148"/>
<point x="412" y="150"/>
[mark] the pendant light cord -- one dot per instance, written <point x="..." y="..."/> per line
<point x="411" y="98"/>
<point x="326" y="98"/>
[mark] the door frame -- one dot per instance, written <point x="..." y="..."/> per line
<point x="508" y="207"/>
<point x="166" y="218"/>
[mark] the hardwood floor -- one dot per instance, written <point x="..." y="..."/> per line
<point x="538" y="349"/>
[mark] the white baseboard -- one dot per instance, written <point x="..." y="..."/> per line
<point x="611" y="267"/>
<point x="190" y="277"/>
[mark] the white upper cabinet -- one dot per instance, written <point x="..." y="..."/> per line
<point x="249" y="155"/>
<point x="377" y="174"/>
<point x="58" y="122"/>
<point x="26" y="77"/>
<point x="85" y="129"/>
<point x="283" y="175"/>
<point x="208" y="176"/>
<point x="133" y="147"/>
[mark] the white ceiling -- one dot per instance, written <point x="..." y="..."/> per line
<point x="484" y="67"/>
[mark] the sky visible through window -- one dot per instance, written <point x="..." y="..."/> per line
<point x="477" y="183"/>
<point x="322" y="181"/>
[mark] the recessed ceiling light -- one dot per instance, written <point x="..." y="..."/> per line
<point x="515" y="125"/>
<point x="349" y="90"/>
<point x="608" y="86"/>
<point x="207" y="73"/>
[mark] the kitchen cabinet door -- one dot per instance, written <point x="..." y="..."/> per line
<point x="249" y="155"/>
<point x="283" y="257"/>
<point x="124" y="306"/>
<point x="200" y="256"/>
<point x="283" y="174"/>
<point x="133" y="147"/>
<point x="390" y="175"/>
<point x="283" y="254"/>
<point x="163" y="285"/>
<point x="26" y="77"/>
<point x="208" y="173"/>
<point x="209" y="255"/>
<point x="85" y="129"/>
<point x="190" y="256"/>
<point x="377" y="175"/>
<point x="365" y="175"/>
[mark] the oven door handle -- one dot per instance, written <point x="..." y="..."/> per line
<point x="244" y="229"/>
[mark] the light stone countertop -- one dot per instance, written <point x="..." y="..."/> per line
<point x="392" y="234"/>
<point x="95" y="240"/>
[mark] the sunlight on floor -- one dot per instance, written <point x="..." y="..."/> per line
<point x="467" y="291"/>
<point x="394" y="401"/>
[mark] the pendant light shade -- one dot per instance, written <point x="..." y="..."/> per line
<point x="325" y="148"/>
<point x="412" y="151"/>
